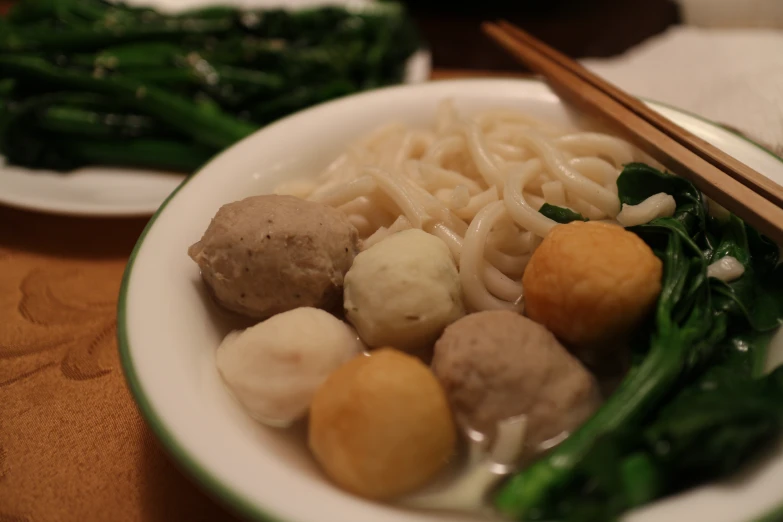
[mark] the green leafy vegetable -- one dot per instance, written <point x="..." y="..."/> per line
<point x="159" y="153"/>
<point x="694" y="408"/>
<point x="212" y="129"/>
<point x="207" y="77"/>
<point x="640" y="181"/>
<point x="713" y="426"/>
<point x="749" y="298"/>
<point x="560" y="214"/>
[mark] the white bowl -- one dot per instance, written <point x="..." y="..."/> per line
<point x="168" y="330"/>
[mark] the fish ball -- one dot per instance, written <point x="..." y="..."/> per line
<point x="403" y="291"/>
<point x="590" y="284"/>
<point x="274" y="367"/>
<point x="380" y="426"/>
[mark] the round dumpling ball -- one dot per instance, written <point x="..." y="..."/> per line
<point x="269" y="254"/>
<point x="380" y="426"/>
<point x="591" y="283"/>
<point x="498" y="364"/>
<point x="403" y="291"/>
<point x="275" y="367"/>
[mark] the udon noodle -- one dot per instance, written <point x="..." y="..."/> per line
<point x="477" y="183"/>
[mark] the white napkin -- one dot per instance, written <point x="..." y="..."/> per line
<point x="731" y="76"/>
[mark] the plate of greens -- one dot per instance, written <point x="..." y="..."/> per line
<point x="106" y="107"/>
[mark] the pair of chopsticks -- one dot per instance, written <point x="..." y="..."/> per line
<point x="730" y="183"/>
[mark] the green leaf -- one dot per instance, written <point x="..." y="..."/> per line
<point x="710" y="429"/>
<point x="7" y="86"/>
<point x="764" y="252"/>
<point x="639" y="181"/>
<point x="756" y="297"/>
<point x="560" y="214"/>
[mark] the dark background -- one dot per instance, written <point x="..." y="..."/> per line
<point x="579" y="28"/>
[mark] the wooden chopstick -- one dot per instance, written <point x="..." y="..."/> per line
<point x="731" y="166"/>
<point x="673" y="153"/>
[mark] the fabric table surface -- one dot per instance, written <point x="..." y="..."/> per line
<point x="72" y="443"/>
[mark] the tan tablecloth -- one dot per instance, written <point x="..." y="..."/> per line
<point x="72" y="444"/>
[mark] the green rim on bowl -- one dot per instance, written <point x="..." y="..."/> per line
<point x="211" y="484"/>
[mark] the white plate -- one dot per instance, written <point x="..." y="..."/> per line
<point x="168" y="332"/>
<point x="103" y="191"/>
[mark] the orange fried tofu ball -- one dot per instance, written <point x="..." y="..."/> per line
<point x="380" y="426"/>
<point x="590" y="284"/>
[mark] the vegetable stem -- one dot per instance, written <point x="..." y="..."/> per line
<point x="162" y="154"/>
<point x="213" y="129"/>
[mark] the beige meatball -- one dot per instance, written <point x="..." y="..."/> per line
<point x="403" y="291"/>
<point x="380" y="426"/>
<point x="590" y="284"/>
<point x="499" y="364"/>
<point x="265" y="255"/>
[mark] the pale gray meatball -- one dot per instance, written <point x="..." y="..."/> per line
<point x="499" y="364"/>
<point x="266" y="255"/>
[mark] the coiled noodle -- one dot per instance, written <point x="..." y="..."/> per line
<point x="476" y="182"/>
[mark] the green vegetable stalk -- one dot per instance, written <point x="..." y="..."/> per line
<point x="201" y="79"/>
<point x="214" y="129"/>
<point x="145" y="153"/>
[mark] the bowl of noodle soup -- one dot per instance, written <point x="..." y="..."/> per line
<point x="470" y="162"/>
